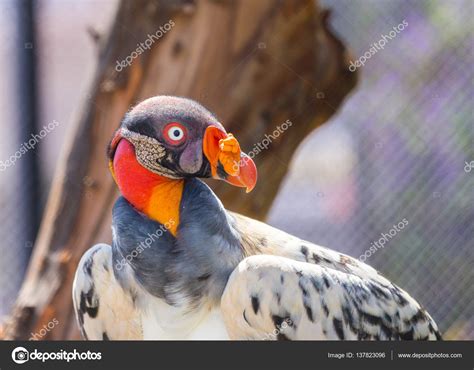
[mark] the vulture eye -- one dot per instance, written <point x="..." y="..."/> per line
<point x="174" y="133"/>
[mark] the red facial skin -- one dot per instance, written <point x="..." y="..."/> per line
<point x="135" y="182"/>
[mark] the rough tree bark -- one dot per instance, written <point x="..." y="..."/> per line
<point x="255" y="64"/>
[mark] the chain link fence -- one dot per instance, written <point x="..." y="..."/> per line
<point x="394" y="166"/>
<point x="18" y="181"/>
<point x="397" y="154"/>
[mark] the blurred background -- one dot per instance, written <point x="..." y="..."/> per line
<point x="400" y="147"/>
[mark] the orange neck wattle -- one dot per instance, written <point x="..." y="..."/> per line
<point x="156" y="196"/>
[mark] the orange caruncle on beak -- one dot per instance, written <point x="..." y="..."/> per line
<point x="222" y="149"/>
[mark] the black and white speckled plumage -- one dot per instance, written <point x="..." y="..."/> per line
<point x="227" y="276"/>
<point x="274" y="278"/>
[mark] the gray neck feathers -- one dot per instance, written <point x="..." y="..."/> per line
<point x="190" y="269"/>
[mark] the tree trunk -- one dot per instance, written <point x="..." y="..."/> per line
<point x="255" y="64"/>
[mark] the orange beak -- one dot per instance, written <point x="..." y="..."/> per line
<point x="227" y="161"/>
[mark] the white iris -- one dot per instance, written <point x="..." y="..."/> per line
<point x="175" y="133"/>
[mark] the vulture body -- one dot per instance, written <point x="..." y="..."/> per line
<point x="183" y="267"/>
